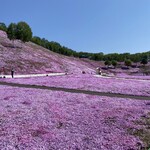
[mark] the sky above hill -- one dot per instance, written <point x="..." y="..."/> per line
<point x="108" y="26"/>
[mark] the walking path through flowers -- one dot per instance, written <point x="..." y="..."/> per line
<point x="77" y="91"/>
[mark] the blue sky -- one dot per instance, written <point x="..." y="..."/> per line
<point x="108" y="26"/>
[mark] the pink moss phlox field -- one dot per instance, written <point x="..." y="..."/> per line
<point x="90" y="82"/>
<point x="41" y="119"/>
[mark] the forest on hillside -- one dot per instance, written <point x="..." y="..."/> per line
<point x="22" y="31"/>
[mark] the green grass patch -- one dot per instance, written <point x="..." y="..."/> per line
<point x="144" y="132"/>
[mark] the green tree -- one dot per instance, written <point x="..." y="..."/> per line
<point x="23" y="32"/>
<point x="11" y="31"/>
<point x="144" y="61"/>
<point x="36" y="40"/>
<point x="3" y="26"/>
<point x="128" y="62"/>
<point x="95" y="56"/>
<point x="135" y="57"/>
<point x="55" y="46"/>
<point x="107" y="63"/>
<point x="114" y="63"/>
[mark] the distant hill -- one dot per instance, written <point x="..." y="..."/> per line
<point x="28" y="58"/>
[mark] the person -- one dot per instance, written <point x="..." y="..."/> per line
<point x="12" y="72"/>
<point x="100" y="72"/>
<point x="0" y="73"/>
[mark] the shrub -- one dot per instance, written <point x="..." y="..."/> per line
<point x="128" y="62"/>
<point x="144" y="61"/>
<point x="114" y="63"/>
<point x="107" y="62"/>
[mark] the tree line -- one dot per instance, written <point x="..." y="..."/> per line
<point x="54" y="46"/>
<point x="23" y="32"/>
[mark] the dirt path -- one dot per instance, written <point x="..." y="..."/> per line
<point x="76" y="91"/>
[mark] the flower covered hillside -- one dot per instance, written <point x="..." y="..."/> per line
<point x="29" y="58"/>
